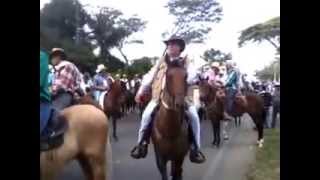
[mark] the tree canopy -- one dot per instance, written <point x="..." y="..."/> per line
<point x="213" y="55"/>
<point x="63" y="22"/>
<point x="193" y="18"/>
<point x="268" y="31"/>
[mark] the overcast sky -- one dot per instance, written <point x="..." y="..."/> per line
<point x="237" y="15"/>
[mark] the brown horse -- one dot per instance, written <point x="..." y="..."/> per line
<point x="252" y="104"/>
<point x="170" y="130"/>
<point x="111" y="104"/>
<point x="213" y="98"/>
<point x="86" y="141"/>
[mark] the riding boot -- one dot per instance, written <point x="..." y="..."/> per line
<point x="196" y="156"/>
<point x="141" y="150"/>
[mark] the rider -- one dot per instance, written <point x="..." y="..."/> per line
<point x="232" y="88"/>
<point x="213" y="73"/>
<point x="45" y="96"/>
<point x="100" y="82"/>
<point x="67" y="79"/>
<point x="153" y="79"/>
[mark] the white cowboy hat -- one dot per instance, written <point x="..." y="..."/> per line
<point x="100" y="68"/>
<point x="57" y="50"/>
<point x="215" y="64"/>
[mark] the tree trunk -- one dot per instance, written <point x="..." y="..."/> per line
<point x="126" y="64"/>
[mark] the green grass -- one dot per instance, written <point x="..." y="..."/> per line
<point x="267" y="163"/>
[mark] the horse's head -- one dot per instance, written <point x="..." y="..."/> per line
<point x="176" y="85"/>
<point x="208" y="92"/>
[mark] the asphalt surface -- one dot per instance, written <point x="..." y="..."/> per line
<point x="230" y="162"/>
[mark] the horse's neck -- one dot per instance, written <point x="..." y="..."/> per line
<point x="169" y="122"/>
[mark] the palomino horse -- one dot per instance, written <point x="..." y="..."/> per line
<point x="170" y="130"/>
<point x="252" y="104"/>
<point x="111" y="104"/>
<point x="213" y="98"/>
<point x="86" y="141"/>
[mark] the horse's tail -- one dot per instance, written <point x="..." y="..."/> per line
<point x="109" y="166"/>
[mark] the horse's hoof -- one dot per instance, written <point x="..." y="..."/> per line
<point x="116" y="139"/>
<point x="260" y="145"/>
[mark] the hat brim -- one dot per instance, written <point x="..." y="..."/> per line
<point x="180" y="42"/>
<point x="62" y="54"/>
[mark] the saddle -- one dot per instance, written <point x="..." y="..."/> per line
<point x="53" y="135"/>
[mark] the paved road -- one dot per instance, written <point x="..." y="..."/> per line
<point x="229" y="162"/>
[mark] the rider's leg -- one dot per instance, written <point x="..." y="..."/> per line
<point x="62" y="101"/>
<point x="195" y="124"/>
<point x="195" y="155"/>
<point x="44" y="115"/>
<point x="146" y="119"/>
<point x="141" y="150"/>
<point x="97" y="95"/>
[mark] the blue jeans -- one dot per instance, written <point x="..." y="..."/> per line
<point x="230" y="95"/>
<point x="45" y="108"/>
<point x="97" y="95"/>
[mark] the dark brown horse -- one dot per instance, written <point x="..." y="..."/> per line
<point x="213" y="97"/>
<point x="170" y="130"/>
<point x="252" y="104"/>
<point x="111" y="104"/>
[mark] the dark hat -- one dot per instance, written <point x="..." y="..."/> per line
<point x="177" y="40"/>
<point x="58" y="52"/>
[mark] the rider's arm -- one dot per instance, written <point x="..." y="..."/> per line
<point x="148" y="78"/>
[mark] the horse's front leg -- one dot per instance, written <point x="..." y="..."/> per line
<point x="162" y="165"/>
<point x="176" y="169"/>
<point x="114" y="125"/>
<point x="213" y="133"/>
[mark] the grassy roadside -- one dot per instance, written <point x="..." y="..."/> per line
<point x="267" y="163"/>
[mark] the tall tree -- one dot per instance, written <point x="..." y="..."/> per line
<point x="105" y="32"/>
<point x="61" y="24"/>
<point x="213" y="55"/>
<point x="193" y="18"/>
<point x="268" y="31"/>
<point x="129" y="27"/>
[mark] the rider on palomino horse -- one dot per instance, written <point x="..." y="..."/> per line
<point x="155" y="79"/>
<point x="67" y="80"/>
<point x="52" y="125"/>
<point x="45" y="96"/>
<point x="100" y="82"/>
